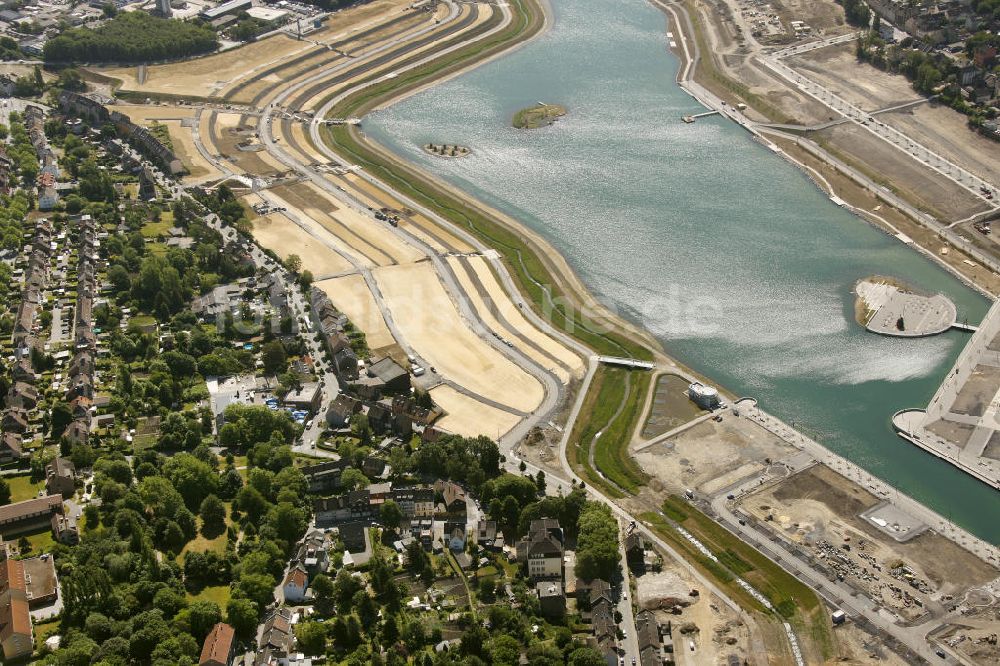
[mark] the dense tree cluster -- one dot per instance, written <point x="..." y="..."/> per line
<point x="21" y="152"/>
<point x="597" y="553"/>
<point x="131" y="37"/>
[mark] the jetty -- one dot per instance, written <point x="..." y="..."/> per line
<point x="692" y="118"/>
<point x="626" y="362"/>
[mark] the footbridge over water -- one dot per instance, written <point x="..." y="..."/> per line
<point x="626" y="362"/>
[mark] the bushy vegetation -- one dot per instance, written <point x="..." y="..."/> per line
<point x="856" y="12"/>
<point x="131" y="37"/>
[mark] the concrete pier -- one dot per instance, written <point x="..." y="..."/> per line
<point x="961" y="424"/>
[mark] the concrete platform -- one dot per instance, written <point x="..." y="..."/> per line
<point x="888" y="306"/>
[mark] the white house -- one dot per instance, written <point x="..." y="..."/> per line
<point x="294" y="586"/>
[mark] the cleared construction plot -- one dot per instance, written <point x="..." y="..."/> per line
<point x="946" y="132"/>
<point x="315" y="228"/>
<point x="366" y="236"/>
<point x="711" y="455"/>
<point x="436" y="236"/>
<point x="350" y="295"/>
<point x="866" y="87"/>
<point x="429" y="322"/>
<point x="501" y="315"/>
<point x="282" y="236"/>
<point x="202" y="77"/>
<point x="671" y="407"/>
<point x="469" y="417"/>
<point x="817" y="505"/>
<point x="912" y="179"/>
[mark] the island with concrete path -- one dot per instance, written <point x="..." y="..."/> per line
<point x="886" y="306"/>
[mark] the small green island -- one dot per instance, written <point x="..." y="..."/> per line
<point x="539" y="115"/>
<point x="447" y="150"/>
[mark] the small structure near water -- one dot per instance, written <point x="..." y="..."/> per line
<point x="706" y="397"/>
<point x="888" y="307"/>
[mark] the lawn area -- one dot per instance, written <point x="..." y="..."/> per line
<point x="671" y="407"/>
<point x="43" y="630"/>
<point x="21" y="487"/>
<point x="218" y="593"/>
<point x="611" y="449"/>
<point x="613" y="405"/>
<point x="156" y="229"/>
<point x="200" y="543"/>
<point x="42" y="542"/>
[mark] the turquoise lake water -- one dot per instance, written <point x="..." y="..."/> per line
<point x="723" y="250"/>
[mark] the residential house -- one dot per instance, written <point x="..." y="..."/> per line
<point x="454" y="535"/>
<point x="415" y="502"/>
<point x="324" y="477"/>
<point x="312" y="553"/>
<point x="648" y="636"/>
<point x="605" y="632"/>
<point x="542" y="550"/>
<point x="551" y="599"/>
<point x="22" y="396"/>
<point x="277" y="637"/>
<point x="340" y="411"/>
<point x="10" y="447"/>
<point x="14" y="420"/>
<point x="60" y="478"/>
<point x="220" y="646"/>
<point x="599" y="592"/>
<point x="488" y="536"/>
<point x="16" y="635"/>
<point x="453" y="497"/>
<point x="78" y="431"/>
<point x="635" y="550"/>
<point x="294" y="586"/>
<point x="353" y="536"/>
<point x="65" y="529"/>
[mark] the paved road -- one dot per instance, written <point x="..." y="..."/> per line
<point x="894" y="137"/>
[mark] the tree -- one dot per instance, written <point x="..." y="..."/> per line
<point x="242" y="614"/>
<point x="504" y="650"/>
<point x="203" y="615"/>
<point x="390" y="514"/>
<point x="352" y="479"/>
<point x="293" y="263"/>
<point x="311" y="637"/>
<point x="274" y="357"/>
<point x="585" y="656"/>
<point x="213" y="516"/>
<point x="61" y="417"/>
<point x="323" y="590"/>
<point x="192" y="478"/>
<point x="4" y="492"/>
